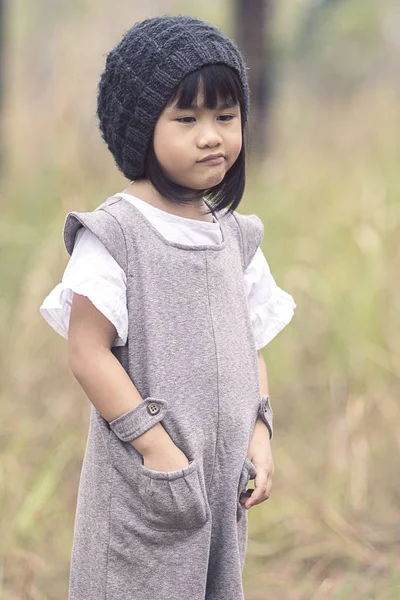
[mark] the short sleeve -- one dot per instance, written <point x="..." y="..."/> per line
<point x="270" y="307"/>
<point x="91" y="272"/>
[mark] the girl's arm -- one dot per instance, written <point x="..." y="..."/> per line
<point x="262" y="367"/>
<point x="101" y="375"/>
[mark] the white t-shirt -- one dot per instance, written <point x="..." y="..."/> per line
<point x="93" y="272"/>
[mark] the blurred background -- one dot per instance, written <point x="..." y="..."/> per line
<point x="324" y="177"/>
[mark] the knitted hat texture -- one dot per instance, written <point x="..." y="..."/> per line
<point x="142" y="71"/>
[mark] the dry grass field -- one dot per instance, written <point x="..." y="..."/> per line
<point x="328" y="194"/>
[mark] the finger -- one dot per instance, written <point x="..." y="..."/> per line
<point x="244" y="496"/>
<point x="261" y="491"/>
<point x="255" y="498"/>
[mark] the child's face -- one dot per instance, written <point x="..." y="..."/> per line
<point x="182" y="138"/>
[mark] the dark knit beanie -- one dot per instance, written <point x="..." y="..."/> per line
<point x="141" y="73"/>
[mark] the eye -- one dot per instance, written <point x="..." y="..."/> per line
<point x="227" y="117"/>
<point x="184" y="119"/>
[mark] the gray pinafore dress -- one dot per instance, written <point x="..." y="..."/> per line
<point x="142" y="534"/>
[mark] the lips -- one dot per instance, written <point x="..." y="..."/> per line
<point x="212" y="157"/>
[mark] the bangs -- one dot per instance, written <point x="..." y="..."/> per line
<point x="220" y="84"/>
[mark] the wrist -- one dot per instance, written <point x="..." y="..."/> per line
<point x="153" y="440"/>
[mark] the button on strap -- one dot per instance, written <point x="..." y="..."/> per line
<point x="153" y="408"/>
<point x="139" y="419"/>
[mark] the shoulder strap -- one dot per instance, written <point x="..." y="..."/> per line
<point x="104" y="224"/>
<point x="251" y="233"/>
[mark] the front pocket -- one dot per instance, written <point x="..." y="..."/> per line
<point x="248" y="472"/>
<point x="172" y="500"/>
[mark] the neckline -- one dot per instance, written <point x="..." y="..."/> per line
<point x="167" y="216"/>
<point x="150" y="226"/>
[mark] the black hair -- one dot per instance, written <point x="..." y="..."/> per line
<point x="221" y="84"/>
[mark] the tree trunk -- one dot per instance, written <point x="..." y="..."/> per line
<point x="252" y="29"/>
<point x="2" y="35"/>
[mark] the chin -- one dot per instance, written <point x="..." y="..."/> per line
<point x="204" y="182"/>
<point x="211" y="180"/>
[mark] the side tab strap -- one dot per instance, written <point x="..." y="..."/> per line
<point x="139" y="419"/>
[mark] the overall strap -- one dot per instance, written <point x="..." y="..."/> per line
<point x="251" y="232"/>
<point x="104" y="224"/>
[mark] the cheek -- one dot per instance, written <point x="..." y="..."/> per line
<point x="166" y="144"/>
<point x="159" y="143"/>
<point x="237" y="141"/>
<point x="161" y="138"/>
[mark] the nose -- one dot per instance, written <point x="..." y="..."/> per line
<point x="209" y="136"/>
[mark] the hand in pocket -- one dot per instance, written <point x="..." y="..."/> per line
<point x="167" y="457"/>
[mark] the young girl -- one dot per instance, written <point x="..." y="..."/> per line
<point x="166" y="302"/>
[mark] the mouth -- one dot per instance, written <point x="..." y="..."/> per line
<point x="213" y="159"/>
